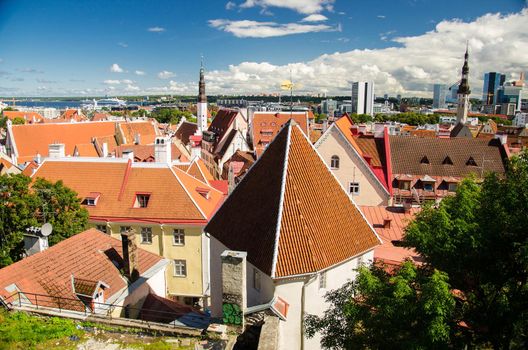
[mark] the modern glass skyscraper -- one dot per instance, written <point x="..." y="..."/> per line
<point x="439" y="95"/>
<point x="492" y="81"/>
<point x="363" y="97"/>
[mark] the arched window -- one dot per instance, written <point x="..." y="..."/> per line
<point x="334" y="162"/>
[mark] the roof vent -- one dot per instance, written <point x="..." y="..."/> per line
<point x="424" y="160"/>
<point x="471" y="162"/>
<point x="447" y="160"/>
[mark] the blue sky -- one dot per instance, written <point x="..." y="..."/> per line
<point x="69" y="47"/>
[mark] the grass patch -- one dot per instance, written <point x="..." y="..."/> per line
<point x="19" y="330"/>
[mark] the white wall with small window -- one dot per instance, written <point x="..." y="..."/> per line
<point x="178" y="236"/>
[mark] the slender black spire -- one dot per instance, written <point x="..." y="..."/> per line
<point x="463" y="88"/>
<point x="201" y="85"/>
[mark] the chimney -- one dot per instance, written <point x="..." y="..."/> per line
<point x="162" y="150"/>
<point x="503" y="138"/>
<point x="35" y="241"/>
<point x="130" y="254"/>
<point x="38" y="158"/>
<point x="362" y="129"/>
<point x="105" y="149"/>
<point x="234" y="287"/>
<point x="56" y="150"/>
<point x="137" y="139"/>
<point x="387" y="222"/>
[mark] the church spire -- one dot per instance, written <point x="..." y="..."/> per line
<point x="464" y="91"/>
<point x="201" y="85"/>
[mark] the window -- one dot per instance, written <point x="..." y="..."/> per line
<point x="353" y="188"/>
<point x="256" y="279"/>
<point x="178" y="236"/>
<point x="452" y="187"/>
<point x="180" y="268"/>
<point x="334" y="162"/>
<point x="427" y="186"/>
<point x="101" y="228"/>
<point x="322" y="280"/>
<point x="90" y="201"/>
<point x="405" y="185"/>
<point x="146" y="235"/>
<point x="141" y="200"/>
<point x="124" y="229"/>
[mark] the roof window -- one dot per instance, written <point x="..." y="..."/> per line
<point x="447" y="161"/>
<point x="91" y="199"/>
<point x="424" y="160"/>
<point x="471" y="162"/>
<point x="142" y="200"/>
<point x="204" y="192"/>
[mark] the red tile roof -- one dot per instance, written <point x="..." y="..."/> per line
<point x="174" y="194"/>
<point x="185" y="131"/>
<point x="87" y="255"/>
<point x="266" y="125"/>
<point x="145" y="130"/>
<point x="399" y="219"/>
<point x="29" y="117"/>
<point x="145" y="153"/>
<point x="295" y="219"/>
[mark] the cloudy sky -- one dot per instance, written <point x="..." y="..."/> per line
<point x="103" y="47"/>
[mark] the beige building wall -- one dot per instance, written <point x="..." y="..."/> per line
<point x="163" y="244"/>
<point x="351" y="169"/>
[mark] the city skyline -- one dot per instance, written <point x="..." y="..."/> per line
<point x="135" y="48"/>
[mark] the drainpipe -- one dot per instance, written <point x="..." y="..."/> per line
<point x="303" y="295"/>
<point x="161" y="238"/>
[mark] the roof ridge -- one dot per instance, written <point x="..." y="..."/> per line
<point x="186" y="190"/>
<point x="281" y="199"/>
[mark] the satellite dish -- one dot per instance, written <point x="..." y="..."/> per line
<point x="46" y="229"/>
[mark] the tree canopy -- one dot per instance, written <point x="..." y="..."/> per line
<point x="23" y="204"/>
<point x="472" y="289"/>
<point x="171" y="115"/>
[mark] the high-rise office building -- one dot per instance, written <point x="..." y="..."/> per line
<point x="363" y="97"/>
<point x="492" y="81"/>
<point x="439" y="95"/>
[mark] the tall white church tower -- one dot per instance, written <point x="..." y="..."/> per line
<point x="201" y="106"/>
<point x="463" y="92"/>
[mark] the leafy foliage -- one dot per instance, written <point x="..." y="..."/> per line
<point x="171" y="115"/>
<point x="23" y="204"/>
<point x="410" y="308"/>
<point x="410" y="118"/>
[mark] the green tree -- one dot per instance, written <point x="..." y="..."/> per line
<point x="19" y="121"/>
<point x="23" y="204"/>
<point x="410" y="308"/>
<point x="479" y="238"/>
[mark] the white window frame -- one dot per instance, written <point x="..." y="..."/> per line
<point x="145" y="199"/>
<point x="100" y="228"/>
<point x="322" y="280"/>
<point x="180" y="268"/>
<point x="334" y="162"/>
<point x="146" y="235"/>
<point x="178" y="232"/>
<point x="353" y="185"/>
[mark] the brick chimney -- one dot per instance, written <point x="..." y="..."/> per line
<point x="387" y="222"/>
<point x="130" y="254"/>
<point x="234" y="287"/>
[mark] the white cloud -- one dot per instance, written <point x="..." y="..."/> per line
<point x="381" y="16"/>
<point x="114" y="68"/>
<point x="230" y="5"/>
<point x="127" y="81"/>
<point x="316" y="17"/>
<point x="132" y="88"/>
<point x="122" y="44"/>
<point x="301" y="6"/>
<point x="111" y="82"/>
<point x="156" y="29"/>
<point x="254" y="29"/>
<point x="166" y="74"/>
<point x="139" y="72"/>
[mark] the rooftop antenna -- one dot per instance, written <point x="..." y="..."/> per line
<point x="289" y="85"/>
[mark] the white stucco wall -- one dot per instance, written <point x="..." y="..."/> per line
<point x="351" y="169"/>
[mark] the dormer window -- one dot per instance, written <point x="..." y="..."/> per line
<point x="92" y="199"/>
<point x="204" y="192"/>
<point x="424" y="160"/>
<point x="447" y="161"/>
<point x="471" y="162"/>
<point x="142" y="200"/>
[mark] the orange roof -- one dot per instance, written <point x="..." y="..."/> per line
<point x="85" y="150"/>
<point x="174" y="194"/>
<point x="72" y="114"/>
<point x="36" y="138"/>
<point x="296" y="219"/>
<point x="29" y="117"/>
<point x="100" y="116"/>
<point x="88" y="255"/>
<point x="266" y="125"/>
<point x="145" y="153"/>
<point x="199" y="171"/>
<point x="146" y="130"/>
<point x="399" y="219"/>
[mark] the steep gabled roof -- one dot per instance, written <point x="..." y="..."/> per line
<point x="290" y="214"/>
<point x="146" y="130"/>
<point x="186" y="130"/>
<point x="266" y="125"/>
<point x="222" y="121"/>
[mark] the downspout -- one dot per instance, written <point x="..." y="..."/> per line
<point x="388" y="160"/>
<point x="162" y="235"/>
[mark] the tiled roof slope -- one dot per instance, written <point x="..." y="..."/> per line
<point x="185" y="130"/>
<point x="222" y="121"/>
<point x="147" y="131"/>
<point x="173" y="192"/>
<point x="144" y="153"/>
<point x="198" y="170"/>
<point x="29" y="117"/>
<point x="36" y="138"/>
<point x="87" y="255"/>
<point x="266" y="125"/>
<point x="319" y="226"/>
<point x="407" y="154"/>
